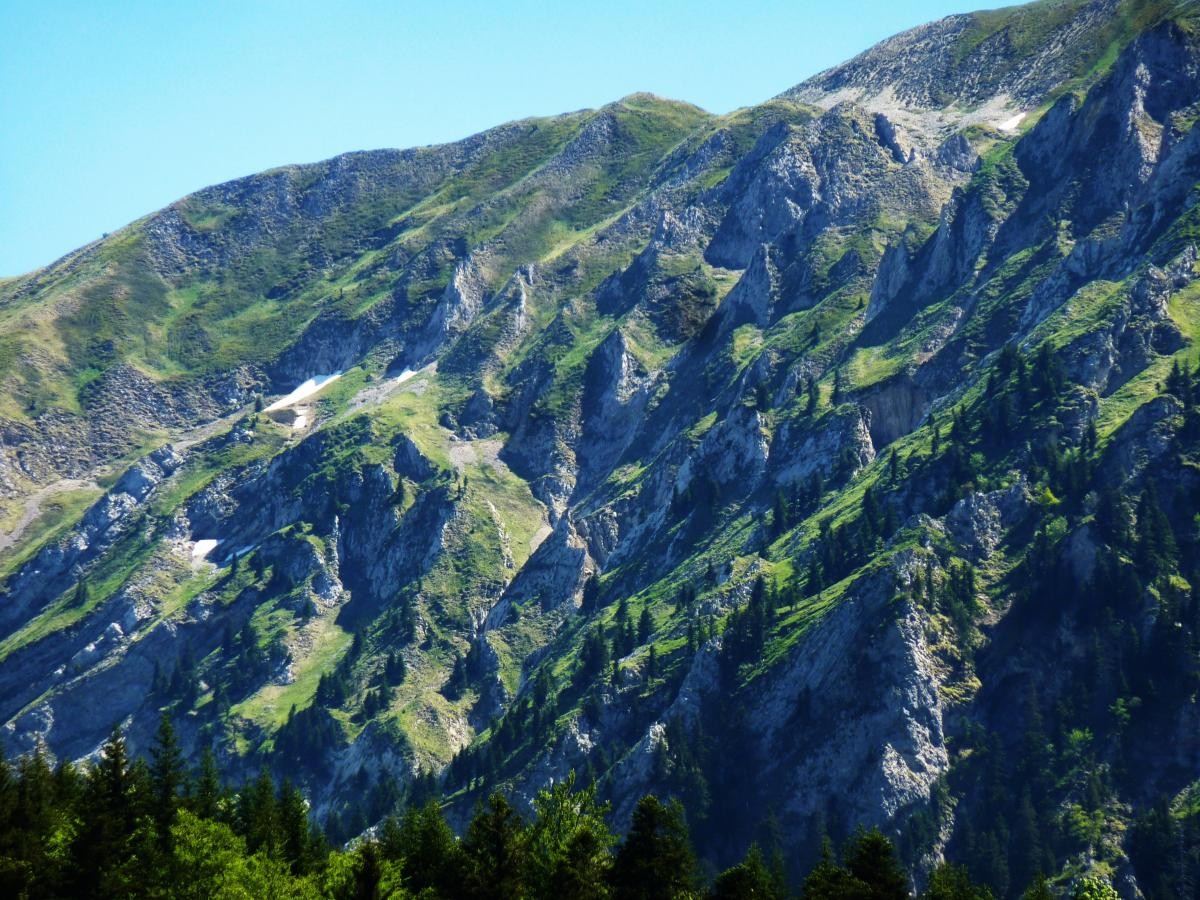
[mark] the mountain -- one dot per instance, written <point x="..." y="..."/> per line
<point x="830" y="462"/>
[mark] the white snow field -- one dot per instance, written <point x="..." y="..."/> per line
<point x="201" y="549"/>
<point x="1011" y="124"/>
<point x="307" y="389"/>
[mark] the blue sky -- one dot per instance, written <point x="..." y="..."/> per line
<point x="111" y="110"/>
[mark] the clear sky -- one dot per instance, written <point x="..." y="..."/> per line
<point x="109" y="110"/>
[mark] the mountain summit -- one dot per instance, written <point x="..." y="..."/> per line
<point x="831" y="462"/>
<point x="1024" y="54"/>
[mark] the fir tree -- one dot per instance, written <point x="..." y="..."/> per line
<point x="1038" y="890"/>
<point x="871" y="858"/>
<point x="494" y="852"/>
<point x="432" y="859"/>
<point x="748" y="880"/>
<point x="298" y="845"/>
<point x="168" y="777"/>
<point x="645" y="626"/>
<point x="655" y="860"/>
<point x="257" y="814"/>
<point x="207" y="792"/>
<point x="591" y="595"/>
<point x="950" y="882"/>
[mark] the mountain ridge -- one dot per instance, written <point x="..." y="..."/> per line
<point x="769" y="437"/>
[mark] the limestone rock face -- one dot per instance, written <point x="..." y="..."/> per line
<point x="836" y="390"/>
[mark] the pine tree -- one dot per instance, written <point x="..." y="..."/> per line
<point x="457" y="682"/>
<point x="1156" y="550"/>
<point x="494" y="852"/>
<point x="1038" y="890"/>
<point x="748" y="880"/>
<point x="432" y="858"/>
<point x="816" y="489"/>
<point x="655" y="862"/>
<point x="872" y="514"/>
<point x="830" y="881"/>
<point x="168" y="778"/>
<point x="1028" y="855"/>
<point x="395" y="669"/>
<point x="107" y="814"/>
<point x="628" y="638"/>
<point x="593" y="656"/>
<point x="207" y="793"/>
<point x="816" y="576"/>
<point x="257" y="814"/>
<point x="953" y="883"/>
<point x="645" y="626"/>
<point x="391" y="840"/>
<point x="367" y="872"/>
<point x="591" y="595"/>
<point x="580" y="873"/>
<point x="34" y="803"/>
<point x="297" y="844"/>
<point x="871" y="858"/>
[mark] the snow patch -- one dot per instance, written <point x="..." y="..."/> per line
<point x="299" y="422"/>
<point x="307" y="389"/>
<point x="408" y="373"/>
<point x="1011" y="124"/>
<point x="201" y="549"/>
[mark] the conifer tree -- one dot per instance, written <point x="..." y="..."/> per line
<point x="645" y="626"/>
<point x="107" y="818"/>
<point x="950" y="882"/>
<point x="295" y="845"/>
<point x="871" y="858"/>
<point x="1155" y="550"/>
<point x="207" y="793"/>
<point x="168" y="778"/>
<point x="432" y="858"/>
<point x="830" y="881"/>
<point x="365" y="884"/>
<point x="257" y="814"/>
<point x="591" y="595"/>
<point x="494" y="852"/>
<point x="1038" y="890"/>
<point x="748" y="880"/>
<point x="655" y="862"/>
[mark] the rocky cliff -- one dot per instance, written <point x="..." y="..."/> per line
<point x="639" y="441"/>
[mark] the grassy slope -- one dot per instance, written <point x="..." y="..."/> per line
<point x="514" y="204"/>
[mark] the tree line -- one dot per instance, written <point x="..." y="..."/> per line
<point x="150" y="827"/>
